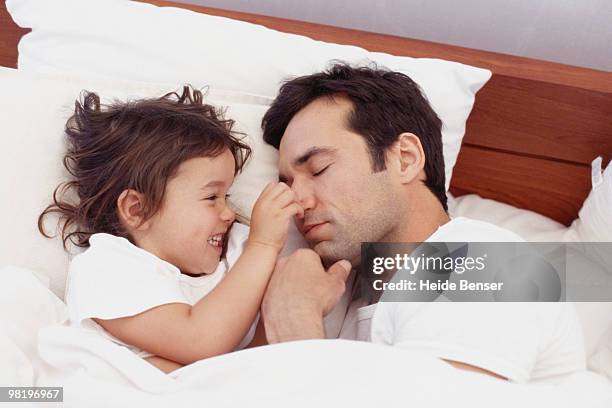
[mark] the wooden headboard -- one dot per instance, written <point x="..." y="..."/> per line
<point x="532" y="134"/>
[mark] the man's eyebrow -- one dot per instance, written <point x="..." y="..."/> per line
<point x="313" y="151"/>
<point x="213" y="183"/>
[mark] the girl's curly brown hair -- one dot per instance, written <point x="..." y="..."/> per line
<point x="133" y="145"/>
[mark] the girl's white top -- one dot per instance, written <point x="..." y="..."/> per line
<point x="113" y="278"/>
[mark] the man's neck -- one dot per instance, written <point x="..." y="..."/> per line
<point x="423" y="217"/>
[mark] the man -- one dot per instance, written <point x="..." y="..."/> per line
<point x="362" y="150"/>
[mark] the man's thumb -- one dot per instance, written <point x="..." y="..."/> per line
<point x="341" y="269"/>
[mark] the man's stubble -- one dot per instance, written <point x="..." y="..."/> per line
<point x="373" y="217"/>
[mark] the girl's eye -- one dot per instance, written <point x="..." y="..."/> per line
<point x="214" y="197"/>
<point x="318" y="173"/>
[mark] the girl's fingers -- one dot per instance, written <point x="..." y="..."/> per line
<point x="285" y="198"/>
<point x="272" y="192"/>
<point x="278" y="189"/>
<point x="267" y="188"/>
<point x="294" y="210"/>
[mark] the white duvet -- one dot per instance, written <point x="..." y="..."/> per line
<point x="37" y="349"/>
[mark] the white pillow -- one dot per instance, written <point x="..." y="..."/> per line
<point x="594" y="222"/>
<point x="34" y="111"/>
<point x="139" y="41"/>
<point x="529" y="225"/>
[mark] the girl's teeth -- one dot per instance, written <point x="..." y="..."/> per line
<point x="215" y="241"/>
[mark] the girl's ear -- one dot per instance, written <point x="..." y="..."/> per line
<point x="130" y="205"/>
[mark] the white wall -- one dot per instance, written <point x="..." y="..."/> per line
<point x="575" y="32"/>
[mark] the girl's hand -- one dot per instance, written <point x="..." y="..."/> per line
<point x="273" y="211"/>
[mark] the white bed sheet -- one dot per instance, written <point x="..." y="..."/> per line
<point x="98" y="373"/>
<point x="37" y="349"/>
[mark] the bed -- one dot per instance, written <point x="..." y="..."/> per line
<point x="530" y="139"/>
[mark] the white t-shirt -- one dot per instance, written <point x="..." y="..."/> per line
<point x="536" y="342"/>
<point x="114" y="278"/>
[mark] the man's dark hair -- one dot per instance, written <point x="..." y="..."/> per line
<point x="385" y="105"/>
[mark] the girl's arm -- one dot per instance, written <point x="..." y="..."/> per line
<point x="218" y="322"/>
<point x="166" y="366"/>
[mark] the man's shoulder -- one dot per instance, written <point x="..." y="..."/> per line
<point x="461" y="229"/>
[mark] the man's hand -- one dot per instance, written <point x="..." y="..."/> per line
<point x="300" y="294"/>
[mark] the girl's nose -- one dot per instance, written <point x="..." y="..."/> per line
<point x="227" y="215"/>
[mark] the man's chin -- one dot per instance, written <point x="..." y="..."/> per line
<point x="330" y="253"/>
<point x="322" y="248"/>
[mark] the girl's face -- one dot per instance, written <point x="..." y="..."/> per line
<point x="189" y="229"/>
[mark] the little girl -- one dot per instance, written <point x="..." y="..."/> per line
<point x="152" y="179"/>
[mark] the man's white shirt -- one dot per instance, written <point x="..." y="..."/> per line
<point x="524" y="342"/>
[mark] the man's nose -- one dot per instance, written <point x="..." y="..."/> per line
<point x="304" y="193"/>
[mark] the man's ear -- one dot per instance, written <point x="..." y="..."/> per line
<point x="130" y="205"/>
<point x="408" y="157"/>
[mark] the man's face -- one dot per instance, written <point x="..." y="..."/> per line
<point x="328" y="166"/>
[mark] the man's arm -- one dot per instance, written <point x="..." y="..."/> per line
<point x="166" y="366"/>
<point x="300" y="294"/>
<point x="298" y="324"/>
